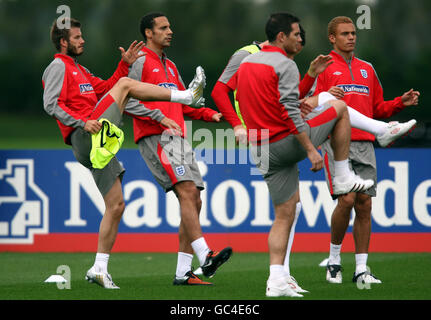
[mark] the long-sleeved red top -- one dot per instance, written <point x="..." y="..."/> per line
<point x="362" y="90"/>
<point x="160" y="71"/>
<point x="71" y="91"/>
<point x="226" y="84"/>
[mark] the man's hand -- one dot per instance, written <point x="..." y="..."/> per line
<point x="92" y="126"/>
<point x="217" y="117"/>
<point x="410" y="98"/>
<point x="318" y="65"/>
<point x="172" y="126"/>
<point x="305" y="108"/>
<point x="337" y="92"/>
<point x="240" y="134"/>
<point x="312" y="154"/>
<point x="315" y="159"/>
<point x="133" y="53"/>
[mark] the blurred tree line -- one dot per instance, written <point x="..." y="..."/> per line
<point x="207" y="32"/>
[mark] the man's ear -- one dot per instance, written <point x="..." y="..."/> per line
<point x="331" y="38"/>
<point x="63" y="43"/>
<point x="148" y="33"/>
<point x="280" y="36"/>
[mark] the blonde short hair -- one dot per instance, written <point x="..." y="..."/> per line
<point x="332" y="25"/>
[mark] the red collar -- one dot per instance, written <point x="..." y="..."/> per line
<point x="64" y="56"/>
<point x="269" y="48"/>
<point x="153" y="54"/>
<point x="339" y="57"/>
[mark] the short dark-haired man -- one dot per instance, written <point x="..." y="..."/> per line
<point x="170" y="157"/>
<point x="77" y="99"/>
<point x="226" y="84"/>
<point x="267" y="84"/>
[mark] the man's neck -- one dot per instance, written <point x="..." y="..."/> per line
<point x="275" y="44"/>
<point x="347" y="55"/>
<point x="262" y="44"/>
<point x="155" y="48"/>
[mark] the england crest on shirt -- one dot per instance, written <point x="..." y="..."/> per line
<point x="364" y="73"/>
<point x="180" y="170"/>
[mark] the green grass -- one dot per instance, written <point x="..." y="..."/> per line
<point x="149" y="276"/>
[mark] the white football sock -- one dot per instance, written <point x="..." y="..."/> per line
<point x="362" y="122"/>
<point x="334" y="254"/>
<point x="276" y="271"/>
<point x="184" y="264"/>
<point x="361" y="262"/>
<point x="341" y="168"/>
<point x="291" y="236"/>
<point x="201" y="249"/>
<point x="325" y="97"/>
<point x="357" y="119"/>
<point x="181" y="96"/>
<point x="101" y="262"/>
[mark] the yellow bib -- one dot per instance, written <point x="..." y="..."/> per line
<point x="105" y="144"/>
<point x="252" y="48"/>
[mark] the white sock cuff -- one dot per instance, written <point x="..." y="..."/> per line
<point x="101" y="262"/>
<point x="102" y="256"/>
<point x="325" y="97"/>
<point x="276" y="271"/>
<point x="341" y="168"/>
<point x="361" y="262"/>
<point x="185" y="254"/>
<point x="335" y="248"/>
<point x="201" y="249"/>
<point x="184" y="264"/>
<point x="334" y="254"/>
<point x="181" y="96"/>
<point x="361" y="258"/>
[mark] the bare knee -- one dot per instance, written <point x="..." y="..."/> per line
<point x="187" y="191"/>
<point x="340" y="107"/>
<point x="363" y="205"/>
<point x="124" y="84"/>
<point x="347" y="201"/>
<point x="116" y="209"/>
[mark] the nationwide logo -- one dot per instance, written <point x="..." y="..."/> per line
<point x="23" y="205"/>
<point x="354" y="89"/>
<point x="86" y="88"/>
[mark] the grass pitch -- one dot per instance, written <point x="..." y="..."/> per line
<point x="149" y="276"/>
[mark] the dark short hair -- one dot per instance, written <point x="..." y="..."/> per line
<point x="147" y="22"/>
<point x="279" y="22"/>
<point x="302" y="34"/>
<point x="62" y="33"/>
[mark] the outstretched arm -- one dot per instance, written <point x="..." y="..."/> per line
<point x="318" y="65"/>
<point x="133" y="53"/>
<point x="410" y="98"/>
<point x="127" y="58"/>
